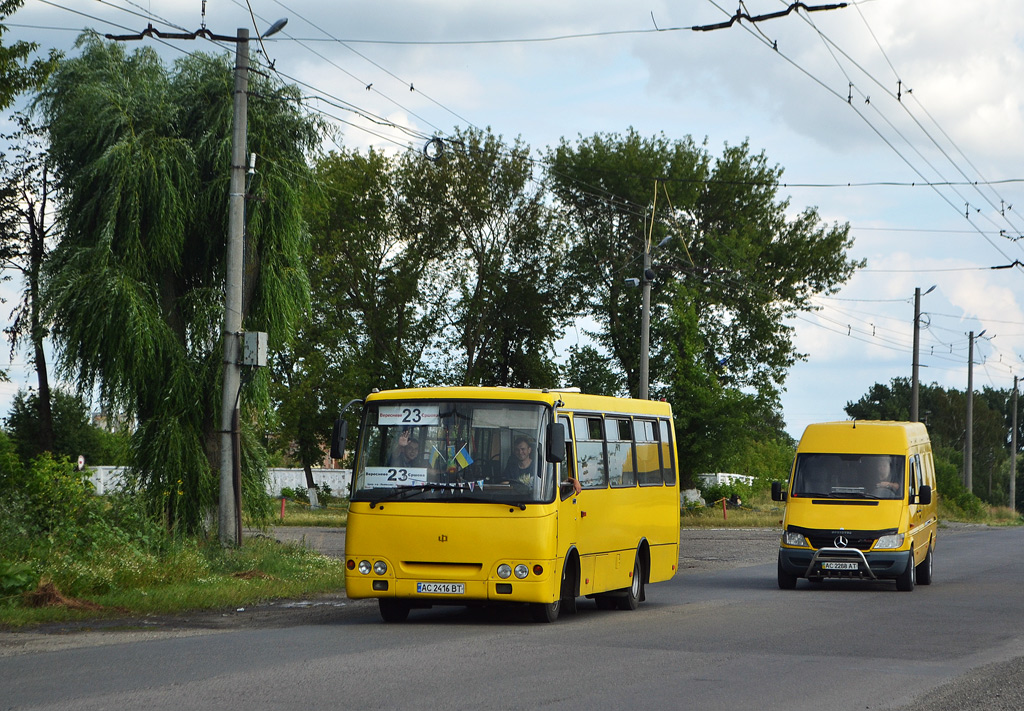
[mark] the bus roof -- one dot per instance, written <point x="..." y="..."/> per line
<point x="565" y="399"/>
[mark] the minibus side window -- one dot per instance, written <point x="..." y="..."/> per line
<point x="648" y="463"/>
<point x="620" y="452"/>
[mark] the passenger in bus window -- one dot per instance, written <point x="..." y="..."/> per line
<point x="521" y="466"/>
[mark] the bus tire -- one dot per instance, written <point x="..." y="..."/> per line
<point x="568" y="591"/>
<point x="635" y="591"/>
<point x="545" y="611"/>
<point x="392" y="610"/>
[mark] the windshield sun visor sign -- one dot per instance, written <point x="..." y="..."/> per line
<point x="409" y="415"/>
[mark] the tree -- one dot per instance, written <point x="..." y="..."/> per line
<point x="503" y="254"/>
<point x="76" y="435"/>
<point x="135" y="287"/>
<point x="26" y="232"/>
<point x="730" y="269"/>
<point x="18" y="73"/>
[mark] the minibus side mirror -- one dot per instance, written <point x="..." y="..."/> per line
<point x="924" y="495"/>
<point x="338" y="437"/>
<point x="555" y="446"/>
<point x="777" y="493"/>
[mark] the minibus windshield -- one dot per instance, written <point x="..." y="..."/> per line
<point x="453" y="451"/>
<point x="865" y="476"/>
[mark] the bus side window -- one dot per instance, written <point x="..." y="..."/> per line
<point x="621" y="471"/>
<point x="648" y="464"/>
<point x="590" y="452"/>
<point x="668" y="465"/>
<point x="915" y="475"/>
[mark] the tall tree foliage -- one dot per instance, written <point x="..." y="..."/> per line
<point x="729" y="268"/>
<point x="18" y="71"/>
<point x="504" y="256"/>
<point x="135" y="288"/>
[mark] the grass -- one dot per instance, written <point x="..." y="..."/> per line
<point x="299" y="513"/>
<point x="191" y="577"/>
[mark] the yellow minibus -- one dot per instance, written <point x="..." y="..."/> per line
<point x="860" y="504"/>
<point x="486" y="495"/>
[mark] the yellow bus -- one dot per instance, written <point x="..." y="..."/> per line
<point x="479" y="496"/>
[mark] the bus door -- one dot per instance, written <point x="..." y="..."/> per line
<point x="568" y="507"/>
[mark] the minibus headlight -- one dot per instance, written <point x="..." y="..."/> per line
<point x="504" y="571"/>
<point x="364" y="567"/>
<point x="889" y="542"/>
<point x="522" y="571"/>
<point x="792" y="538"/>
<point x="380" y="567"/>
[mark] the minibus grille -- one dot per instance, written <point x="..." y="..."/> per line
<point x="829" y="541"/>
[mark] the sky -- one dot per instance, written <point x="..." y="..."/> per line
<point x="902" y="118"/>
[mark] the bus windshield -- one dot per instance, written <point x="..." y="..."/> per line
<point x="454" y="451"/>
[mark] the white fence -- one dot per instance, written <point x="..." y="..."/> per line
<point x="724" y="478"/>
<point x="107" y="479"/>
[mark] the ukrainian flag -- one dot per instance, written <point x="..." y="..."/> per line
<point x="436" y="458"/>
<point x="463" y="457"/>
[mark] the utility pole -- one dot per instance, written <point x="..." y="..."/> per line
<point x="915" y="380"/>
<point x="969" y="434"/>
<point x="645" y="324"/>
<point x="228" y="512"/>
<point x="1013" y="450"/>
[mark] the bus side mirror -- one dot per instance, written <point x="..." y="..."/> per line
<point x="555" y="445"/>
<point x="338" y="437"/>
<point x="924" y="495"/>
<point x="777" y="493"/>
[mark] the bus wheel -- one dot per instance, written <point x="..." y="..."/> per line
<point x="635" y="591"/>
<point x="545" y="611"/>
<point x="568" y="591"/>
<point x="393" y="610"/>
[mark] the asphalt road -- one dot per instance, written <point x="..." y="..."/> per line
<point x="718" y="636"/>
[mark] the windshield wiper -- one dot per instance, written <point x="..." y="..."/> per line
<point x="401" y="491"/>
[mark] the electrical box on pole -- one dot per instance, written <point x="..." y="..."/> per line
<point x="254" y="349"/>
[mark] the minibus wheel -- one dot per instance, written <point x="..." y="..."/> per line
<point x="924" y="571"/>
<point x="905" y="581"/>
<point x="787" y="581"/>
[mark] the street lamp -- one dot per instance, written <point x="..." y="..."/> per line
<point x="915" y="382"/>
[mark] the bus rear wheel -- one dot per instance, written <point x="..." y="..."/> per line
<point x="393" y="610"/>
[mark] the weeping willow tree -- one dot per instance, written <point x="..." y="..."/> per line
<point x="135" y="290"/>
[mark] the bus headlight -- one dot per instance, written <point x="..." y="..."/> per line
<point x="522" y="571"/>
<point x="364" y="567"/>
<point x="380" y="567"/>
<point x="889" y="542"/>
<point x="504" y="571"/>
<point x="792" y="538"/>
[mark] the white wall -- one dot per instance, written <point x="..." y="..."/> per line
<point x="106" y="479"/>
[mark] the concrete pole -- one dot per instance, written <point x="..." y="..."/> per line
<point x="228" y="524"/>
<point x="915" y="381"/>
<point x="645" y="326"/>
<point x="1013" y="450"/>
<point x="969" y="433"/>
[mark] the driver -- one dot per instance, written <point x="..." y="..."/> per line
<point x="521" y="467"/>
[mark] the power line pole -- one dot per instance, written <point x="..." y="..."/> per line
<point x="969" y="433"/>
<point x="915" y="380"/>
<point x="645" y="325"/>
<point x="230" y="520"/>
<point x="1013" y="450"/>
